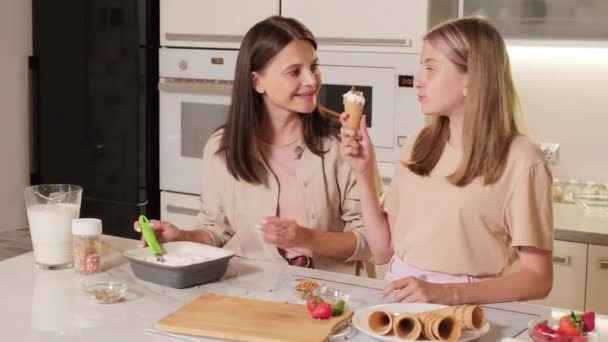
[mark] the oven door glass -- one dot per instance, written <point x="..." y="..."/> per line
<point x="378" y="87"/>
<point x="190" y="111"/>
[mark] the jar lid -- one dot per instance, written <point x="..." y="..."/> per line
<point x="86" y="226"/>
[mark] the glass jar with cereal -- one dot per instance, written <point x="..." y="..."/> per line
<point x="87" y="245"/>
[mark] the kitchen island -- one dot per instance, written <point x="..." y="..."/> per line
<point x="40" y="305"/>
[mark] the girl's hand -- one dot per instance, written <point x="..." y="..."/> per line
<point x="163" y="230"/>
<point x="356" y="147"/>
<point x="284" y="233"/>
<point x="414" y="290"/>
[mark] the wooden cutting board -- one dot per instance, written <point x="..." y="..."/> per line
<point x="241" y="319"/>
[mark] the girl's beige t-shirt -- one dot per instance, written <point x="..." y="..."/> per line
<point x="471" y="230"/>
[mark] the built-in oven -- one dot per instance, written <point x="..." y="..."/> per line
<point x="195" y="87"/>
<point x="194" y="96"/>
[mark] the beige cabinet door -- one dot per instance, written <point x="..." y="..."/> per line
<point x="597" y="280"/>
<point x="211" y="24"/>
<point x="362" y="25"/>
<point x="569" y="276"/>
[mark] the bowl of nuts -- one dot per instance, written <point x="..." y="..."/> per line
<point x="108" y="292"/>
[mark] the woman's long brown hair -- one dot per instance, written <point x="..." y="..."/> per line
<point x="237" y="146"/>
<point x="476" y="48"/>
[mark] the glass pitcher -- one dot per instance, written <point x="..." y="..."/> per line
<point x="50" y="211"/>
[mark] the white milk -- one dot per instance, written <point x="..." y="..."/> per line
<point x="51" y="230"/>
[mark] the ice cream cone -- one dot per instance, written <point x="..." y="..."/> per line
<point x="353" y="105"/>
<point x="355" y="112"/>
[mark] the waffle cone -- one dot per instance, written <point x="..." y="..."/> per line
<point x="355" y="111"/>
<point x="470" y="316"/>
<point x="437" y="326"/>
<point x="407" y="326"/>
<point x="380" y="322"/>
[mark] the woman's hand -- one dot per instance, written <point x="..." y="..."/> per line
<point x="414" y="290"/>
<point x="163" y="230"/>
<point x="357" y="147"/>
<point x="284" y="233"/>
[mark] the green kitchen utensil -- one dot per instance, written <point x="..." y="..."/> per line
<point x="153" y="245"/>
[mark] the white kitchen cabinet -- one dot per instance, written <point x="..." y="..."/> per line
<point x="179" y="209"/>
<point x="569" y="276"/>
<point x="211" y="24"/>
<point x="597" y="280"/>
<point x="544" y="19"/>
<point x="362" y="25"/>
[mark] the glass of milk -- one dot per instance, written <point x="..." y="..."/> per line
<point x="50" y="211"/>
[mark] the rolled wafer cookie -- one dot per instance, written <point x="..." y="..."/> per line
<point x="471" y="317"/>
<point x="437" y="326"/>
<point x="380" y="322"/>
<point x="407" y="326"/>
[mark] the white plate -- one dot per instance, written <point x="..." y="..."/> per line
<point x="360" y="320"/>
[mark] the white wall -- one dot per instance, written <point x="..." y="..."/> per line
<point x="16" y="46"/>
<point x="564" y="94"/>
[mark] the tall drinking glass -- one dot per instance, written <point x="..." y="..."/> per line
<point x="50" y="211"/>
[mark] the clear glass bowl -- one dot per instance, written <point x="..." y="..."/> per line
<point x="331" y="295"/>
<point x="538" y="336"/>
<point x="108" y="292"/>
<point x="593" y="204"/>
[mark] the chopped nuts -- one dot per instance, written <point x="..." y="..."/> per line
<point x="105" y="296"/>
<point x="306" y="286"/>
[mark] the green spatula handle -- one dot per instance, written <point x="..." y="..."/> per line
<point x="149" y="236"/>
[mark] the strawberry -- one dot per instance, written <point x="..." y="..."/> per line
<point x="312" y="302"/>
<point x="544" y="328"/>
<point x="570" y="325"/>
<point x="543" y="332"/>
<point x="588" y="321"/>
<point x="321" y="311"/>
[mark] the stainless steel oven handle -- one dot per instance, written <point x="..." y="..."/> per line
<point x="195" y="87"/>
<point x="181" y="210"/>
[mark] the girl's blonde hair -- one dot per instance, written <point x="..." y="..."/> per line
<point x="476" y="48"/>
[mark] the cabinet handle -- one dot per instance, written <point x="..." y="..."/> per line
<point x="181" y="210"/>
<point x="604" y="264"/>
<point x="565" y="260"/>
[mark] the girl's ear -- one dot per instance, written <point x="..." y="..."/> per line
<point x="465" y="86"/>
<point x="257" y="82"/>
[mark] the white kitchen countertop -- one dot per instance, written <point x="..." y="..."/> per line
<point x="573" y="224"/>
<point x="40" y="305"/>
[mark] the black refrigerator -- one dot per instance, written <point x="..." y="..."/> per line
<point x="94" y="76"/>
